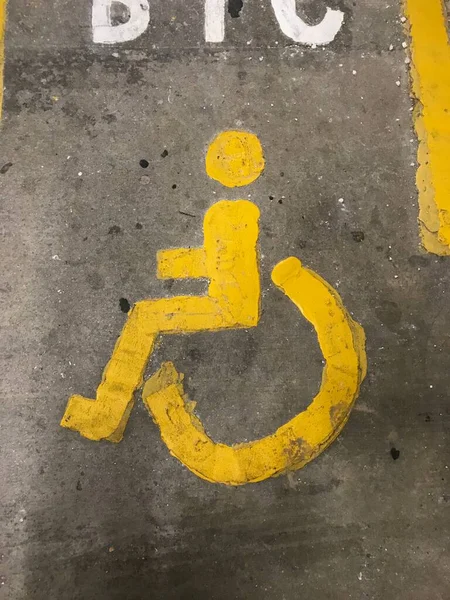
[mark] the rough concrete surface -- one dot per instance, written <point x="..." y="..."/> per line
<point x="82" y="222"/>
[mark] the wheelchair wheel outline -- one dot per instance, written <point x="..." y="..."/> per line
<point x="302" y="438"/>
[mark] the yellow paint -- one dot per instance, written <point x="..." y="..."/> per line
<point x="229" y="260"/>
<point x="430" y="71"/>
<point x="182" y="263"/>
<point x="306" y="435"/>
<point x="235" y="158"/>
<point x="2" y="48"/>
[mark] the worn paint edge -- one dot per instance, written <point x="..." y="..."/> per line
<point x="2" y="49"/>
<point x="430" y="82"/>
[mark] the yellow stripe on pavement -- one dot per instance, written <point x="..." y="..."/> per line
<point x="430" y="72"/>
<point x="2" y="48"/>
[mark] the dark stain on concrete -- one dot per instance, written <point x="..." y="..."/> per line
<point x="268" y="232"/>
<point x="389" y="314"/>
<point x="323" y="488"/>
<point x="124" y="305"/>
<point x="395" y="453"/>
<point x="235" y="7"/>
<point x="6" y="168"/>
<point x="250" y="351"/>
<point x="135" y="74"/>
<point x="416" y="260"/>
<point x="194" y="354"/>
<point x="358" y="236"/>
<point x="109" y="118"/>
<point x="114" y="230"/>
<point x="32" y="95"/>
<point x="79" y="116"/>
<point x="95" y="280"/>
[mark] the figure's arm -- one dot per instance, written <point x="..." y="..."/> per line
<point x="181" y="263"/>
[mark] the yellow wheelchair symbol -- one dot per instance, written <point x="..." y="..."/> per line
<point x="229" y="260"/>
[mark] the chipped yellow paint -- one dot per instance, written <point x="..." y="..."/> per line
<point x="430" y="72"/>
<point x="235" y="158"/>
<point x="2" y="48"/>
<point x="302" y="438"/>
<point x="229" y="260"/>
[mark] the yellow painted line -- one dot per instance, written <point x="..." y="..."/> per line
<point x="2" y="48"/>
<point x="430" y="72"/>
<point x="302" y="438"/>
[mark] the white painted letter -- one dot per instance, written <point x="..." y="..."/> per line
<point x="214" y="20"/>
<point x="299" y="31"/>
<point x="104" y="32"/>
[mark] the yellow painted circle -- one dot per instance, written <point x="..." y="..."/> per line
<point x="235" y="158"/>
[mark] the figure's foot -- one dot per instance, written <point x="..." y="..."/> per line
<point x="101" y="419"/>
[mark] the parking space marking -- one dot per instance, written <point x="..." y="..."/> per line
<point x="2" y="48"/>
<point x="430" y="72"/>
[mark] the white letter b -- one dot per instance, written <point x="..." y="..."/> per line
<point x="104" y="32"/>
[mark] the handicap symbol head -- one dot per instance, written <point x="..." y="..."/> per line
<point x="235" y="158"/>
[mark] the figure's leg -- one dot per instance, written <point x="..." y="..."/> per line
<point x="107" y="416"/>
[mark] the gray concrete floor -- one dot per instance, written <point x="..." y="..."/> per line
<point x="84" y="520"/>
